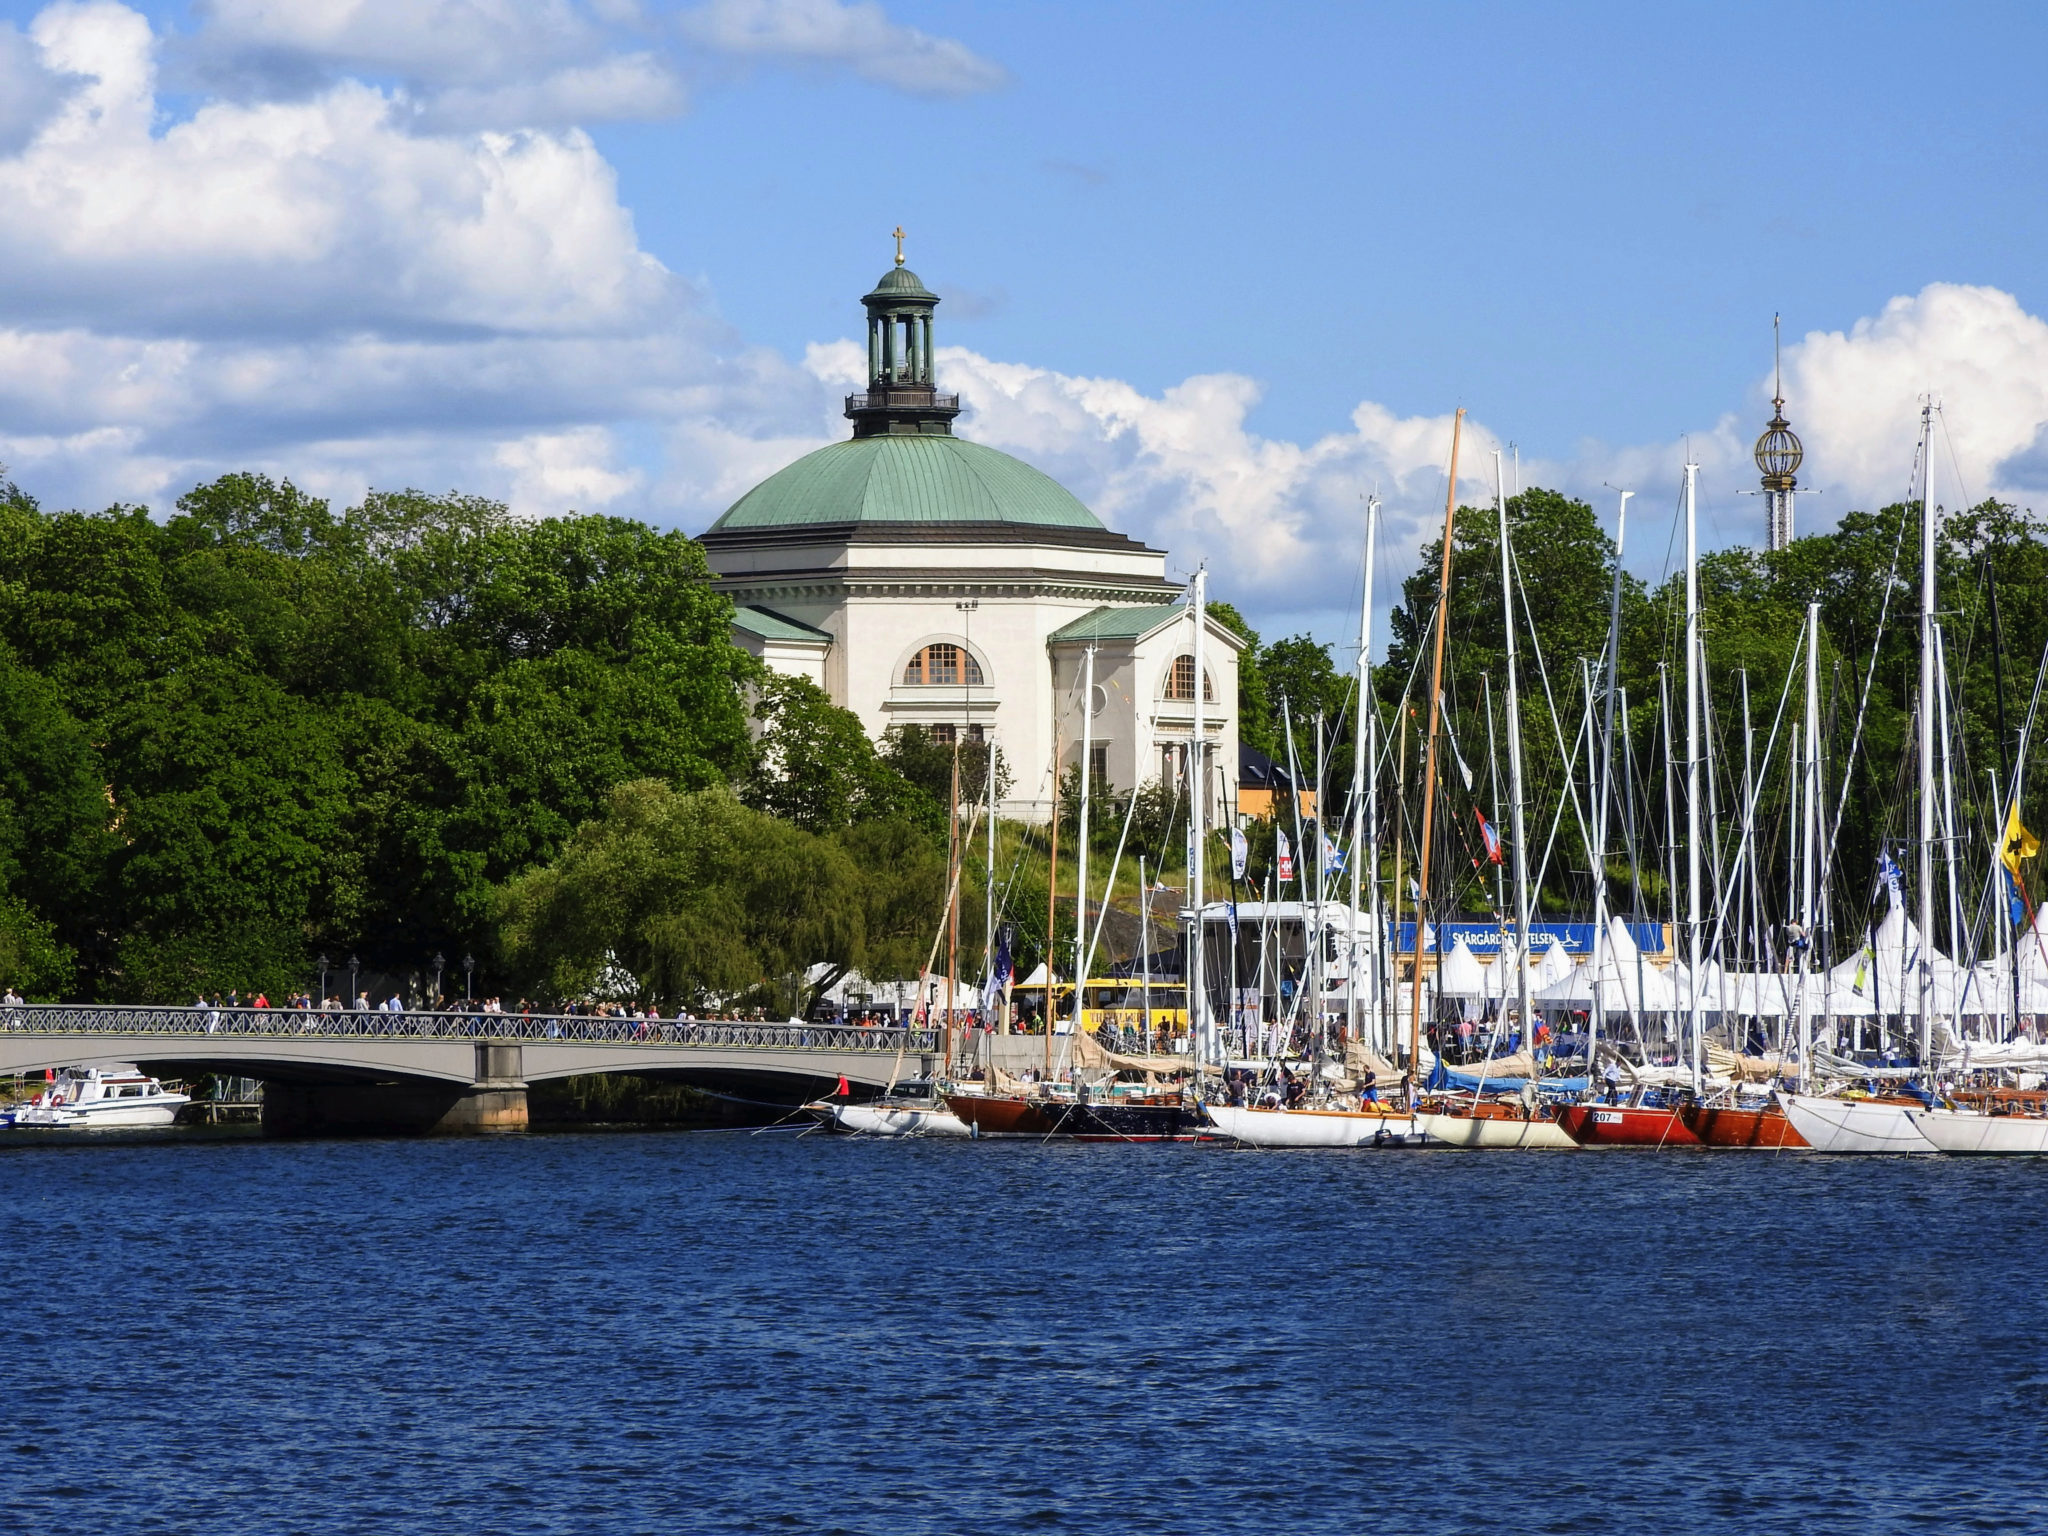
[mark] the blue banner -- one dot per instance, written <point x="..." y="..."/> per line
<point x="1484" y="938"/>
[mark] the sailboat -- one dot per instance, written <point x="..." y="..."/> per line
<point x="1982" y="1133"/>
<point x="1845" y="1125"/>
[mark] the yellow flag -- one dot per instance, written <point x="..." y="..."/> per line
<point x="2018" y="844"/>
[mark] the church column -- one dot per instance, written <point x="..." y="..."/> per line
<point x="924" y="326"/>
<point x="889" y="350"/>
<point x="874" y="350"/>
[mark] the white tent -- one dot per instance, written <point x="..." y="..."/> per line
<point x="1629" y="983"/>
<point x="1459" y="973"/>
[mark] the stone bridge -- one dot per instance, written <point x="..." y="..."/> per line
<point x="340" y="1071"/>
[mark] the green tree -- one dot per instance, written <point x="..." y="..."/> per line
<point x="817" y="768"/>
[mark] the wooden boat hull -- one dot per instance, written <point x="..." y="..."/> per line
<point x="1859" y="1126"/>
<point x="1625" y="1125"/>
<point x="1727" y="1126"/>
<point x="1968" y="1133"/>
<point x="1493" y="1133"/>
<point x="1002" y="1115"/>
<point x="1257" y="1127"/>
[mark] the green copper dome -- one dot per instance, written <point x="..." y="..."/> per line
<point x="901" y="283"/>
<point x="907" y="479"/>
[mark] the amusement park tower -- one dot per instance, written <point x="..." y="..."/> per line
<point x="1778" y="455"/>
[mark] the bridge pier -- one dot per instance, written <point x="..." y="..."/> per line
<point x="494" y="1103"/>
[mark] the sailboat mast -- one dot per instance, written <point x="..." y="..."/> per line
<point x="1612" y="669"/>
<point x="1809" y="801"/>
<point x="1436" y="698"/>
<point x="1926" y="732"/>
<point x="1361" y="759"/>
<point x="1507" y="610"/>
<point x="1692" y="769"/>
<point x="1081" y="838"/>
<point x="1198" y="817"/>
<point x="953" y="859"/>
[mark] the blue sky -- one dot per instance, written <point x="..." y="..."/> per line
<point x="1221" y="270"/>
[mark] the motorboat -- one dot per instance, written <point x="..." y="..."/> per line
<point x="1972" y="1132"/>
<point x="913" y="1109"/>
<point x="1271" y="1126"/>
<point x="1868" y="1126"/>
<point x="101" y="1098"/>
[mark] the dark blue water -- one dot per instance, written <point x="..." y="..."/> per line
<point x="759" y="1333"/>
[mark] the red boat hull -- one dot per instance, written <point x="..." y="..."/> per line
<point x="1623" y="1125"/>
<point x="1001" y="1115"/>
<point x="1723" y="1127"/>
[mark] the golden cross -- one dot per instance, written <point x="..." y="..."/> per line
<point x="898" y="233"/>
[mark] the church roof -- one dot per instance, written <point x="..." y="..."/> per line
<point x="767" y="624"/>
<point x="907" y="479"/>
<point x="1133" y="621"/>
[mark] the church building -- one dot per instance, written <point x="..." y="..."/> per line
<point x="922" y="579"/>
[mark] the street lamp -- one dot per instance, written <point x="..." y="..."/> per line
<point x="354" y="992"/>
<point x="440" y="964"/>
<point x="323" y="977"/>
<point x="468" y="968"/>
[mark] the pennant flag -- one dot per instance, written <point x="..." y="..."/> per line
<point x="1239" y="851"/>
<point x="1285" y="856"/>
<point x="843" y="1091"/>
<point x="1233" y="922"/>
<point x="1492" y="838"/>
<point x="2015" y="903"/>
<point x="2018" y="843"/>
<point x="1334" y="858"/>
<point x="999" y="970"/>
<point x="1444" y="714"/>
<point x="1893" y="877"/>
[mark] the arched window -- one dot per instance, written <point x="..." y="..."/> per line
<point x="1180" y="681"/>
<point x="940" y="664"/>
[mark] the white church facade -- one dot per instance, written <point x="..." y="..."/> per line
<point x="925" y="580"/>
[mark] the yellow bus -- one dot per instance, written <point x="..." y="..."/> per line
<point x="1118" y="1001"/>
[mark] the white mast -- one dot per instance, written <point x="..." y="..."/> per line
<point x="1809" y="821"/>
<point x="1692" y="770"/>
<point x="1198" y="816"/>
<point x="1081" y="837"/>
<point x="1926" y="734"/>
<point x="1507" y="609"/>
<point x="1361" y="754"/>
<point x="1606" y="789"/>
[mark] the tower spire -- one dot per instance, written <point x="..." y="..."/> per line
<point x="1778" y="456"/>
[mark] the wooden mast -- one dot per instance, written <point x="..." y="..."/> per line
<point x="1436" y="684"/>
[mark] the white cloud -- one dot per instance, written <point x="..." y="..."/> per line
<point x="553" y="471"/>
<point x="1855" y="397"/>
<point x="858" y="37"/>
<point x="28" y="92"/>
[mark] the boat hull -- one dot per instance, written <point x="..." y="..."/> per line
<point x="1493" y="1133"/>
<point x="1726" y="1126"/>
<point x="152" y="1116"/>
<point x="1310" y="1127"/>
<point x="1108" y="1121"/>
<point x="1966" y="1133"/>
<point x="1859" y="1126"/>
<point x="1000" y="1115"/>
<point x="890" y="1119"/>
<point x="1625" y="1125"/>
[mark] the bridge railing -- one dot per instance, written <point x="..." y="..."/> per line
<point x="319" y="1024"/>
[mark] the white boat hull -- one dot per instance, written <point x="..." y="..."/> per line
<point x="894" y="1120"/>
<point x="1968" y="1133"/>
<point x="116" y="1116"/>
<point x="1854" y="1125"/>
<point x="1309" y="1127"/>
<point x="1494" y="1135"/>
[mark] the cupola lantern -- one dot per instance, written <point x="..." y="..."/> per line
<point x="901" y="398"/>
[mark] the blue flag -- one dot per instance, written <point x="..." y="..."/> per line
<point x="1893" y="877"/>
